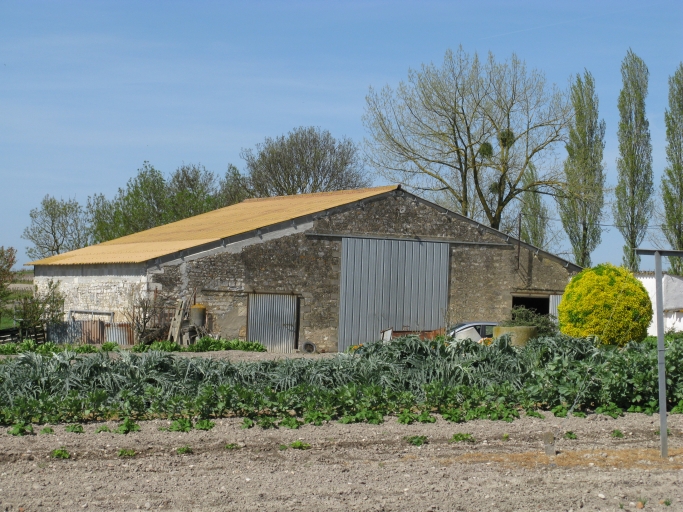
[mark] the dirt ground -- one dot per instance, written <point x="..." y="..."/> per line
<point x="350" y="467"/>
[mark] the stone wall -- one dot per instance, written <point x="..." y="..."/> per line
<point x="482" y="282"/>
<point x="96" y="293"/>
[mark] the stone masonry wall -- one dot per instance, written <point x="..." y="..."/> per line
<point x="96" y="293"/>
<point x="482" y="280"/>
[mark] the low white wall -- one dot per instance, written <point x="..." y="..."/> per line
<point x="673" y="310"/>
<point x="96" y="293"/>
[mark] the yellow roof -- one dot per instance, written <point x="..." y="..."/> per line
<point x="232" y="220"/>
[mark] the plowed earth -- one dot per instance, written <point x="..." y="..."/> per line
<point x="350" y="467"/>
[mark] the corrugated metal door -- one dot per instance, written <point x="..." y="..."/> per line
<point x="391" y="284"/>
<point x="554" y="302"/>
<point x="272" y="321"/>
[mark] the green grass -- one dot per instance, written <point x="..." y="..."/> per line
<point x="461" y="437"/>
<point x="124" y="452"/>
<point x="569" y="435"/>
<point x="416" y="440"/>
<point x="184" y="450"/>
<point x="60" y="453"/>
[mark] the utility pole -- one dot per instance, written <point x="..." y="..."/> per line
<point x="661" y="348"/>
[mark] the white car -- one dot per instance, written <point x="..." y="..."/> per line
<point x="472" y="330"/>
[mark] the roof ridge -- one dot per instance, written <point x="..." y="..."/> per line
<point x="326" y="193"/>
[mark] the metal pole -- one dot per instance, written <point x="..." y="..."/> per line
<point x="661" y="351"/>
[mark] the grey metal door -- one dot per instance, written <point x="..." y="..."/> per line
<point x="391" y="284"/>
<point x="272" y="321"/>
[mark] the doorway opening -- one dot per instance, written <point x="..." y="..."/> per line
<point x="540" y="305"/>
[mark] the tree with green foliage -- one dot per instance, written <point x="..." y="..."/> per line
<point x="304" y="161"/>
<point x="606" y="302"/>
<point x="8" y="258"/>
<point x="57" y="226"/>
<point x="467" y="132"/>
<point x="633" y="206"/>
<point x="672" y="181"/>
<point x="150" y="199"/>
<point x="534" y="213"/>
<point x="141" y="205"/>
<point x="581" y="203"/>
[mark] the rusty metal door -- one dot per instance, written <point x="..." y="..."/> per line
<point x="391" y="284"/>
<point x="272" y="321"/>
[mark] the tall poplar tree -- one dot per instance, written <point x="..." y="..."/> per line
<point x="633" y="206"/>
<point x="534" y="213"/>
<point x="582" y="201"/>
<point x="672" y="181"/>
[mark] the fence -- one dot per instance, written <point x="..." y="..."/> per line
<point x="91" y="332"/>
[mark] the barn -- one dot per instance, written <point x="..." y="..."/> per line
<point x="334" y="269"/>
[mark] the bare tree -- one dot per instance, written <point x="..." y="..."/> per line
<point x="469" y="131"/>
<point x="305" y="160"/>
<point x="145" y="312"/>
<point x="57" y="226"/>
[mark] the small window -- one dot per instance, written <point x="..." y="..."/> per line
<point x="487" y="331"/>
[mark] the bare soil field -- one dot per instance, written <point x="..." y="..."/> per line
<point x="350" y="467"/>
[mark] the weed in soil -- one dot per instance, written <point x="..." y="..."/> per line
<point x="425" y="417"/>
<point x="617" y="433"/>
<point x="316" y="417"/>
<point x="290" y="422"/>
<point x="20" y="429"/>
<point x="247" y="423"/>
<point x="232" y="446"/>
<point x="579" y="414"/>
<point x="204" y="425"/>
<point x="60" y="453"/>
<point x="569" y="435"/>
<point x="266" y="422"/>
<point x="180" y="425"/>
<point x="47" y="430"/>
<point x="75" y="428"/>
<point x="668" y="432"/>
<point x="454" y="415"/>
<point x="102" y="428"/>
<point x="283" y="447"/>
<point x="535" y="414"/>
<point x="300" y="445"/>
<point x="506" y="437"/>
<point x="126" y="453"/>
<point x="128" y="426"/>
<point x="406" y="417"/>
<point x="184" y="450"/>
<point x="416" y="440"/>
<point x="461" y="437"/>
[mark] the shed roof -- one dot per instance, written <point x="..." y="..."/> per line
<point x="243" y="217"/>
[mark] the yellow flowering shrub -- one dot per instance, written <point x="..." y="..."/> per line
<point x="606" y="302"/>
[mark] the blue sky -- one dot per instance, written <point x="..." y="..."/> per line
<point x="90" y="90"/>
